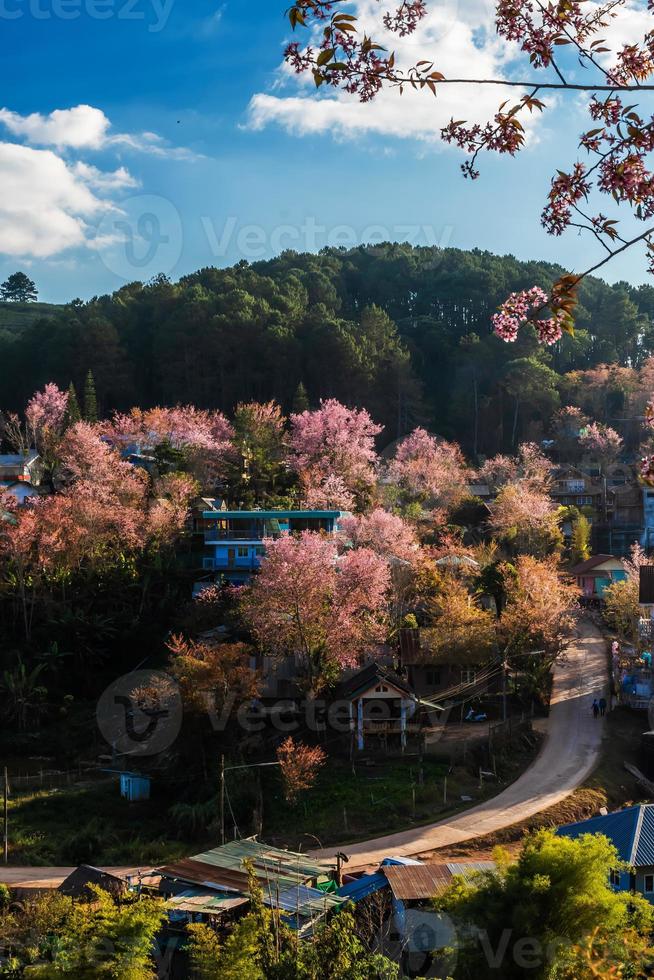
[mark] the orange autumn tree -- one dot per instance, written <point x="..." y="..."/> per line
<point x="208" y="673"/>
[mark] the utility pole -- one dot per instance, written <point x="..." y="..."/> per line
<point x="222" y="799"/>
<point x="503" y="690"/>
<point x="6" y="816"/>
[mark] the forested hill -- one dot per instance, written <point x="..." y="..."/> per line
<point x="14" y="317"/>
<point x="403" y="331"/>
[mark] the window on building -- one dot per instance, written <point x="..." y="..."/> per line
<point x="433" y="678"/>
<point x="649" y="884"/>
<point x="208" y="564"/>
<point x="614" y="877"/>
<point x="468" y="675"/>
<point x="243" y="552"/>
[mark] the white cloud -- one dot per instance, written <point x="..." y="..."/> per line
<point x="45" y="206"/>
<point x="53" y="200"/>
<point x="84" y="127"/>
<point x="104" y="181"/>
<point x="460" y="37"/>
<point x="79" y="127"/>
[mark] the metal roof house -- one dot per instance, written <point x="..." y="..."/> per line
<point x="234" y="540"/>
<point x="20" y="474"/>
<point x="215" y="882"/>
<point x="631" y="831"/>
<point x="597" y="573"/>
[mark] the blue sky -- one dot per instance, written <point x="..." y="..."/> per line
<point x="196" y="146"/>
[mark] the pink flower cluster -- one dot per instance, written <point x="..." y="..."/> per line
<point x="516" y="310"/>
<point x="567" y="190"/>
<point x="406" y="18"/>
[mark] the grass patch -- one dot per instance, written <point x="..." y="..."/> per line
<point x="88" y="823"/>
<point x="346" y="805"/>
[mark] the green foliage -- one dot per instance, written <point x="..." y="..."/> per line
<point x="53" y="937"/>
<point x="580" y="540"/>
<point x="402" y="331"/>
<point x="537" y="914"/>
<point x="621" y="608"/>
<point x="261" y="947"/>
<point x="18" y="288"/>
<point x="90" y="399"/>
<point x="73" y="411"/>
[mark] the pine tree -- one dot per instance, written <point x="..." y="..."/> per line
<point x="73" y="413"/>
<point x="18" y="288"/>
<point x="90" y="399"/>
<point x="300" y="399"/>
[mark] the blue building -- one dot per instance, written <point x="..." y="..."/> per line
<point x="631" y="831"/>
<point x="234" y="539"/>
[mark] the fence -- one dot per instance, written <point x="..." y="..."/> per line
<point x="54" y="778"/>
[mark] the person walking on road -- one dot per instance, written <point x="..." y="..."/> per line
<point x="596" y="709"/>
<point x="602" y="706"/>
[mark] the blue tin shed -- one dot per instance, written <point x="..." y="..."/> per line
<point x="134" y="787"/>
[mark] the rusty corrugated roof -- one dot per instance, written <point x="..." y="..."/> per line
<point x="415" y="881"/>
<point x="412" y="882"/>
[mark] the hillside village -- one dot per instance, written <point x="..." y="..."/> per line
<point x="353" y="652"/>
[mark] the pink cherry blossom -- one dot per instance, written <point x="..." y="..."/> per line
<point x="386" y="534"/>
<point x="428" y="468"/>
<point x="334" y="442"/>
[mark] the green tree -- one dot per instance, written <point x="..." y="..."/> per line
<point x="57" y="938"/>
<point x="90" y="399"/>
<point x="536" y="916"/>
<point x="580" y="540"/>
<point x="300" y="399"/>
<point x="18" y="288"/>
<point x="532" y="385"/>
<point x="73" y="412"/>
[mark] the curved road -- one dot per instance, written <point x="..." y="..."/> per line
<point x="569" y="753"/>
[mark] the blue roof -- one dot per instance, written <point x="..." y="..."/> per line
<point x="356" y="891"/>
<point x="631" y="831"/>
<point x="268" y="515"/>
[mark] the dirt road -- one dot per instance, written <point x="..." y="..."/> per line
<point x="568" y="755"/>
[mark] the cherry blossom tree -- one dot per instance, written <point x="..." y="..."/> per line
<point x="202" y="438"/>
<point x="601" y="442"/>
<point x="299" y="766"/>
<point x="615" y="146"/>
<point x="429" y="469"/>
<point x="526" y="518"/>
<point x="528" y="465"/>
<point x="105" y="517"/>
<point x="45" y="421"/>
<point x="537" y="615"/>
<point x="45" y="413"/>
<point x="333" y="451"/>
<point x="309" y="603"/>
<point x="384" y="533"/>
